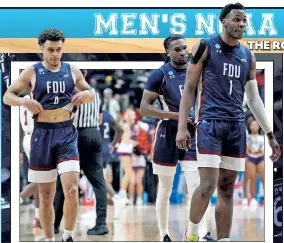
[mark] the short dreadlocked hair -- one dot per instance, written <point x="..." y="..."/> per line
<point x="51" y="35"/>
<point x="228" y="8"/>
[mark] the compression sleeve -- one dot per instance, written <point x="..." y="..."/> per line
<point x="256" y="105"/>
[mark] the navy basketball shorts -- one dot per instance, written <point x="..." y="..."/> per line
<point x="105" y="161"/>
<point x="221" y="144"/>
<point x="54" y="151"/>
<point x="106" y="154"/>
<point x="27" y="145"/>
<point x="107" y="167"/>
<point x="166" y="154"/>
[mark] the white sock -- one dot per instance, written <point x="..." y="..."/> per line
<point x="202" y="228"/>
<point x="67" y="234"/>
<point x="123" y="194"/>
<point x="115" y="197"/>
<point x="50" y="239"/>
<point x="224" y="239"/>
<point x="37" y="213"/>
<point x="192" y="181"/>
<point x="192" y="229"/>
<point x="162" y="203"/>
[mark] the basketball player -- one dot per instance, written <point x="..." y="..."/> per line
<point x="54" y="139"/>
<point x="228" y="69"/>
<point x="27" y="123"/>
<point x="108" y="147"/>
<point x="166" y="85"/>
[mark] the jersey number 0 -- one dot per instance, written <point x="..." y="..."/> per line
<point x="56" y="100"/>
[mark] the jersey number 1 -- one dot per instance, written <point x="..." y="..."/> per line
<point x="231" y="86"/>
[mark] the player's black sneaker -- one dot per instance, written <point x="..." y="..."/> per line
<point x="167" y="238"/>
<point x="208" y="237"/>
<point x="56" y="230"/>
<point x="70" y="239"/>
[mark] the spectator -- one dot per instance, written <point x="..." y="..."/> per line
<point x="110" y="104"/>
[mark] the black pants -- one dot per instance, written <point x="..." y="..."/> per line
<point x="91" y="162"/>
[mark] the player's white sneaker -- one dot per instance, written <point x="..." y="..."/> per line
<point x="245" y="202"/>
<point x="253" y="203"/>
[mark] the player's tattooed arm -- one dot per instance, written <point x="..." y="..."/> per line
<point x="85" y="93"/>
<point x="11" y="96"/>
<point x="148" y="109"/>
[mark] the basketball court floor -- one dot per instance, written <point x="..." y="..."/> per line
<point x="140" y="224"/>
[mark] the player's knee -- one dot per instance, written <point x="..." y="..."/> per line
<point x="72" y="192"/>
<point x="164" y="193"/>
<point x="208" y="187"/>
<point x="226" y="187"/>
<point x="46" y="197"/>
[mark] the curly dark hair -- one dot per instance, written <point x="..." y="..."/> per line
<point x="51" y="35"/>
<point x="228" y="8"/>
<point x="171" y="38"/>
<point x="168" y="40"/>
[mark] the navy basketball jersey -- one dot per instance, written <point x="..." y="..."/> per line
<point x="53" y="90"/>
<point x="221" y="87"/>
<point x="105" y="127"/>
<point x="168" y="82"/>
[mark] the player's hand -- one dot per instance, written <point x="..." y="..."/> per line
<point x="32" y="105"/>
<point x="276" y="151"/>
<point x="80" y="98"/>
<point x="191" y="121"/>
<point x="183" y="139"/>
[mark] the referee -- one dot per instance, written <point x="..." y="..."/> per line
<point x="87" y="120"/>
